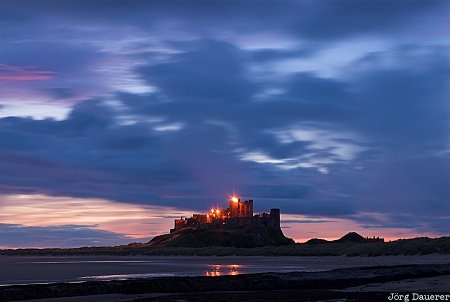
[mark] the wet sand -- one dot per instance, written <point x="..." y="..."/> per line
<point x="431" y="284"/>
<point x="439" y="284"/>
<point x="102" y="298"/>
<point x="293" y="278"/>
<point x="347" y="284"/>
<point x="38" y="269"/>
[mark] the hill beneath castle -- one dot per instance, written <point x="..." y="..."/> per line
<point x="249" y="236"/>
<point x="247" y="243"/>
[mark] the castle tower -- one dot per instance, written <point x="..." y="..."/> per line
<point x="233" y="203"/>
<point x="275" y="217"/>
<point x="248" y="208"/>
<point x="240" y="208"/>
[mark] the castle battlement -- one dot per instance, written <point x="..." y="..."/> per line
<point x="238" y="214"/>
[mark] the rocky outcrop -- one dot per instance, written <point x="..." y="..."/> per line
<point x="351" y="237"/>
<point x="249" y="236"/>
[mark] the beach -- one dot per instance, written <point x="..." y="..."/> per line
<point x="138" y="278"/>
<point x="50" y="269"/>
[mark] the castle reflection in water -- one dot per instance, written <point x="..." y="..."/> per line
<point x="216" y="270"/>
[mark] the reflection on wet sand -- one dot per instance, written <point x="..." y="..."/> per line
<point x="216" y="270"/>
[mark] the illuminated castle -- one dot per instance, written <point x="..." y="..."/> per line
<point x="238" y="214"/>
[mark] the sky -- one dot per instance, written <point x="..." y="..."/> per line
<point x="116" y="118"/>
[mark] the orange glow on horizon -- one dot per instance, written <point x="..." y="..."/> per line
<point x="130" y="220"/>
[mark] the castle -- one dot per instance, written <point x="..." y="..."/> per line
<point x="238" y="214"/>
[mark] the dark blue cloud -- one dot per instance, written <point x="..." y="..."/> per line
<point x="352" y="18"/>
<point x="219" y="74"/>
<point x="313" y="20"/>
<point x="90" y="139"/>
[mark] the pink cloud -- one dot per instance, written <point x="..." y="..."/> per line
<point x="17" y="73"/>
<point x="138" y="222"/>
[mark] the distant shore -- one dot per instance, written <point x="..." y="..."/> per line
<point x="416" y="246"/>
<point x="344" y="283"/>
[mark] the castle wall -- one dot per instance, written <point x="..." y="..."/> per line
<point x="269" y="220"/>
<point x="240" y="213"/>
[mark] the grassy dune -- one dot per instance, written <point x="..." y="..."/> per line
<point x="416" y="246"/>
